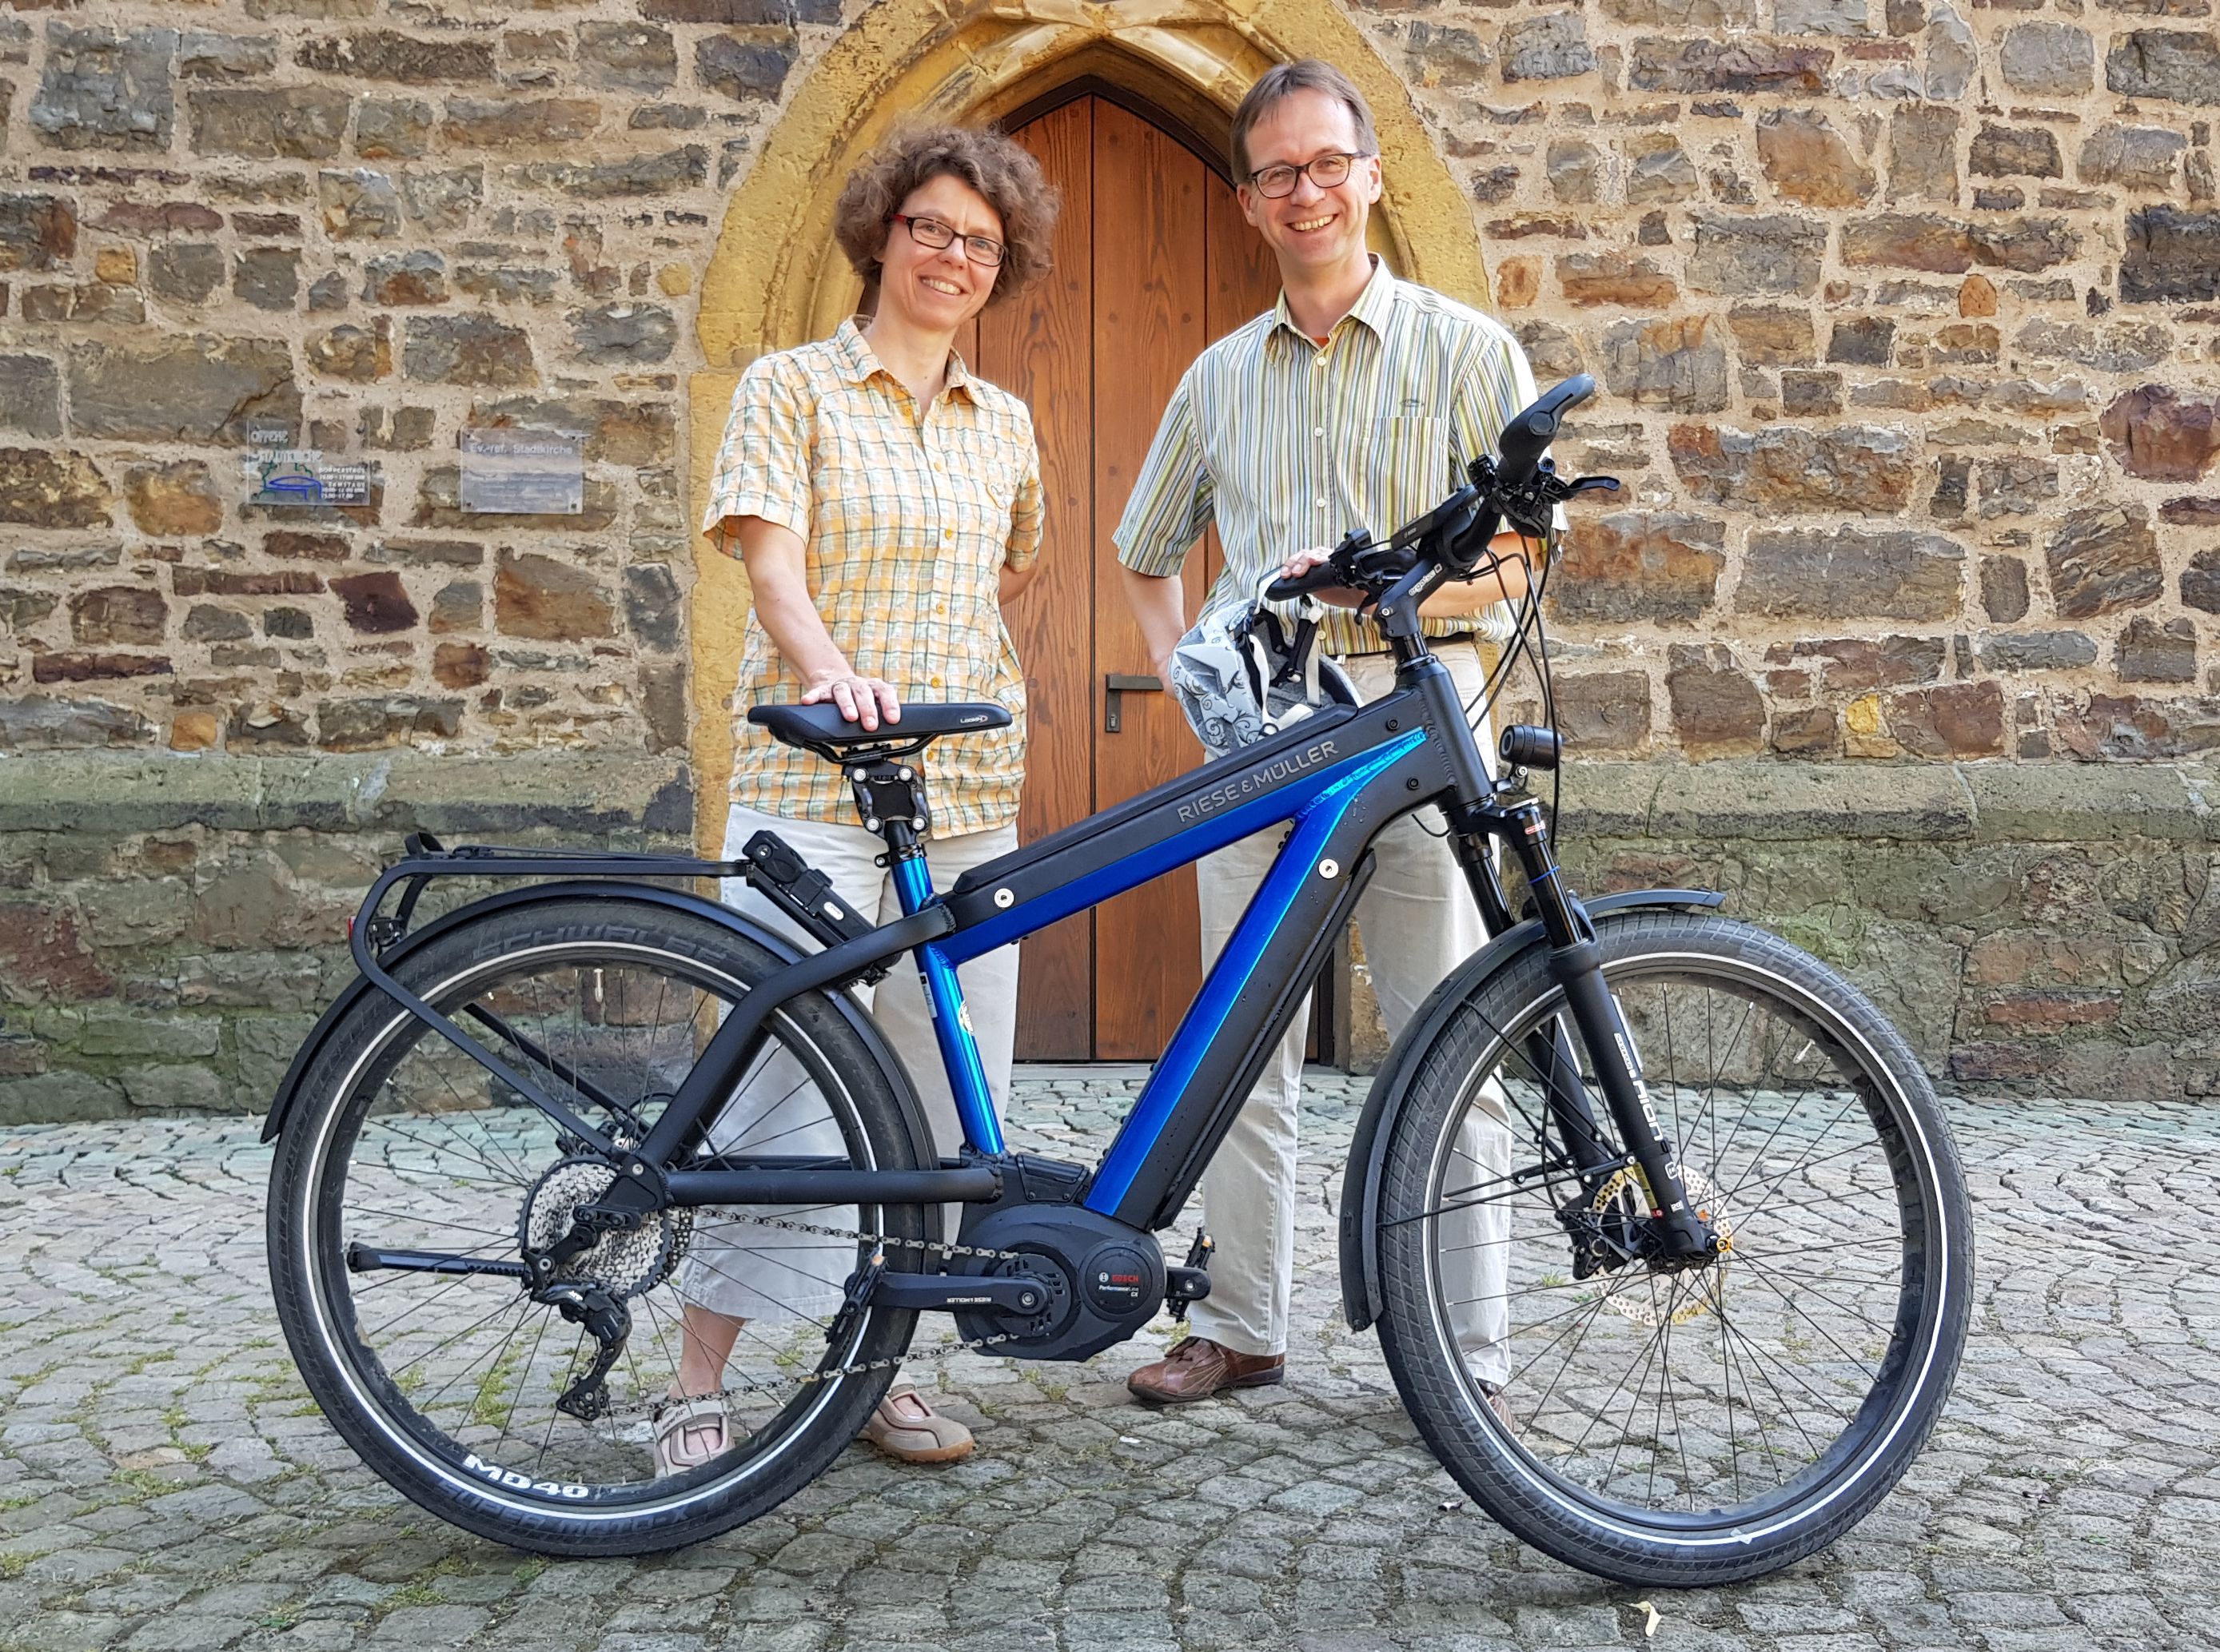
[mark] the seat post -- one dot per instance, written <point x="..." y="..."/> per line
<point x="890" y="795"/>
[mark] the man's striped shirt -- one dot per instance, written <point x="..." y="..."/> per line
<point x="1287" y="444"/>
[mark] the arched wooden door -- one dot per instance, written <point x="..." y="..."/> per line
<point x="1153" y="262"/>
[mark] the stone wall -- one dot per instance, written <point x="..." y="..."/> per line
<point x="1907" y="312"/>
<point x="2032" y="928"/>
<point x="169" y="931"/>
<point x="370" y="227"/>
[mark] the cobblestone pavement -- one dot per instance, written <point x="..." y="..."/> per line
<point x="165" y="1483"/>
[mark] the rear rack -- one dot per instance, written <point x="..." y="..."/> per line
<point x="770" y="867"/>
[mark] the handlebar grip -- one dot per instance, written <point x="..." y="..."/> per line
<point x="1527" y="436"/>
<point x="1322" y="577"/>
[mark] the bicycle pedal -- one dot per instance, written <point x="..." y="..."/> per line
<point x="1183" y="1286"/>
<point x="1192" y="1282"/>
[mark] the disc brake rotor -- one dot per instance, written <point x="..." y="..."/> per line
<point x="1651" y="1299"/>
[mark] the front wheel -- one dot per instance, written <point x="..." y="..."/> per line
<point x="1677" y="1428"/>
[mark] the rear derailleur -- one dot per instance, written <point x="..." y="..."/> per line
<point x="608" y="1322"/>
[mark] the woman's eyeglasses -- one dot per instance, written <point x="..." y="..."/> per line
<point x="1325" y="171"/>
<point x="930" y="232"/>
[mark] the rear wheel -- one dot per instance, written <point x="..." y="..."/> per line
<point x="448" y="1385"/>
<point x="1694" y="1427"/>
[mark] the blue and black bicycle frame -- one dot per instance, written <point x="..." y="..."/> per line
<point x="1333" y="781"/>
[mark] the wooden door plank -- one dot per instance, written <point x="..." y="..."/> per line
<point x="1149" y="324"/>
<point x="1039" y="345"/>
<point x="1244" y="278"/>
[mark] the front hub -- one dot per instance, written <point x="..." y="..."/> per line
<point x="1618" y="1215"/>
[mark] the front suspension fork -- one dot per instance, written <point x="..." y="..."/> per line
<point x="1548" y="1052"/>
<point x="1576" y="965"/>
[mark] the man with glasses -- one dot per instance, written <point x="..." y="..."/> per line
<point x="1355" y="401"/>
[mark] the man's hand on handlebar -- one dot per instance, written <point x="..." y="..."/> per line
<point x="1322" y="572"/>
<point x="1299" y="568"/>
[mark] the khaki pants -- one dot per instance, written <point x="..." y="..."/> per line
<point x="752" y="1272"/>
<point x="1418" y="922"/>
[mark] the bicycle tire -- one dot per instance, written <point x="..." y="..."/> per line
<point x="1514" y="1468"/>
<point x="371" y="1411"/>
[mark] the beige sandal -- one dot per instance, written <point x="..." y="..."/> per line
<point x="904" y="1426"/>
<point x="690" y="1432"/>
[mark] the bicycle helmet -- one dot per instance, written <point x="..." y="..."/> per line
<point x="1242" y="672"/>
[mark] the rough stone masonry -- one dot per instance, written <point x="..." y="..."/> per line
<point x="1907" y="311"/>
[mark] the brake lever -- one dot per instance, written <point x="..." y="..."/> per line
<point x="1529" y="506"/>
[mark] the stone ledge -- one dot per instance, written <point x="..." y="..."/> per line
<point x="1924" y="802"/>
<point x="589" y="793"/>
<point x="600" y="793"/>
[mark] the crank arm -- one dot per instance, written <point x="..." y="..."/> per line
<point x="953" y="1293"/>
<point x="365" y="1258"/>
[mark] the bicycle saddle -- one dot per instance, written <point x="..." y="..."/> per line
<point x="822" y="729"/>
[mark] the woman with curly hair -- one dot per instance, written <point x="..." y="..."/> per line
<point x="887" y="501"/>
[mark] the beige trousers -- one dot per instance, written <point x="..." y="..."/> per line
<point x="752" y="1272"/>
<point x="1418" y="922"/>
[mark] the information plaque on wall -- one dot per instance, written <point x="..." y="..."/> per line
<point x="278" y="473"/>
<point x="524" y="472"/>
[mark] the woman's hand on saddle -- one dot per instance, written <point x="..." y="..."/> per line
<point x="865" y="700"/>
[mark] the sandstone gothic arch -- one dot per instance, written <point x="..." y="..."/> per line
<point x="776" y="279"/>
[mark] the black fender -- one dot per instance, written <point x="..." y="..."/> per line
<point x="641" y="893"/>
<point x="1367" y="1148"/>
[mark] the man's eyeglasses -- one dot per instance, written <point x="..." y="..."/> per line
<point x="930" y="232"/>
<point x="1325" y="171"/>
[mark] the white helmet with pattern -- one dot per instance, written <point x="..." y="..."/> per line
<point x="1241" y="673"/>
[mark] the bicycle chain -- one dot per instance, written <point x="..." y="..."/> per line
<point x="860" y="1367"/>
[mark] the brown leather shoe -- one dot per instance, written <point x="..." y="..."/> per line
<point x="1199" y="1367"/>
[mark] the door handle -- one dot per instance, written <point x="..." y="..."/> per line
<point x="1116" y="685"/>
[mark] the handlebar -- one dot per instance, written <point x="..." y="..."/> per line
<point x="1506" y="485"/>
<point x="1325" y="576"/>
<point x="1331" y="575"/>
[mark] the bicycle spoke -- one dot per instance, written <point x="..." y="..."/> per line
<point x="506" y="1178"/>
<point x="1764" y="1280"/>
<point x="1757" y="1415"/>
<point x="524" y="1375"/>
<point x="1843" y="1152"/>
<point x="1758" y="1157"/>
